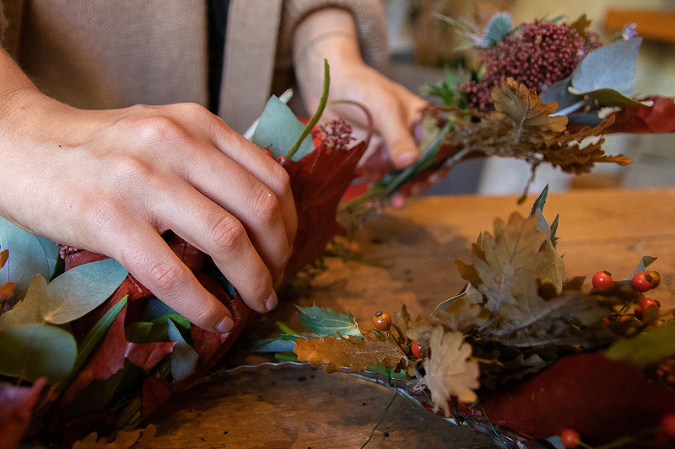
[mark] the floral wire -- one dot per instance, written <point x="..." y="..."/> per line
<point x="493" y="427"/>
<point x="381" y="419"/>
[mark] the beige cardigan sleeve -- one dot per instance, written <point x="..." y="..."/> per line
<point x="369" y="18"/>
<point x="10" y="25"/>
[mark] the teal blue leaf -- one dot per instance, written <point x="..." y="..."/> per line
<point x="69" y="296"/>
<point x="559" y="92"/>
<point x="92" y="338"/>
<point x="326" y="322"/>
<point x="280" y="343"/>
<point x="80" y="290"/>
<point x="28" y="255"/>
<point x="183" y="356"/>
<point x="32" y="351"/>
<point x="609" y="67"/>
<point x="278" y="129"/>
<point x="647" y="347"/>
<point x="642" y="266"/>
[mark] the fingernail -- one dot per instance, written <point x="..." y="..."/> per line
<point x="407" y="158"/>
<point x="271" y="302"/>
<point x="225" y="325"/>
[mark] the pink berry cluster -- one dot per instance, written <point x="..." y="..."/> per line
<point x="537" y="55"/>
<point x="65" y="250"/>
<point x="336" y="134"/>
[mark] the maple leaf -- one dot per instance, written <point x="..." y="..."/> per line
<point x="449" y="370"/>
<point x="351" y="352"/>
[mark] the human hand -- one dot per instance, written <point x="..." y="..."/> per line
<point x="114" y="181"/>
<point x="395" y="111"/>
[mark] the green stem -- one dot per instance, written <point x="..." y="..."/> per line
<point x="286" y="357"/>
<point x="317" y="114"/>
<point x="285" y="329"/>
<point x="380" y="421"/>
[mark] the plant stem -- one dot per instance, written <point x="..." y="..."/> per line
<point x="380" y="421"/>
<point x="317" y="114"/>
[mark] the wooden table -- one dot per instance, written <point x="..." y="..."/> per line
<point x="302" y="408"/>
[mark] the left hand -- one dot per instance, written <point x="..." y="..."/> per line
<point x="330" y="34"/>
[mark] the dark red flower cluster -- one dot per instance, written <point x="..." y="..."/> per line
<point x="336" y="134"/>
<point x="538" y="54"/>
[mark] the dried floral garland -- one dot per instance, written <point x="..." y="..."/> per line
<point x="80" y="327"/>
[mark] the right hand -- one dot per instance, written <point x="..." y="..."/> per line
<point x="114" y="181"/>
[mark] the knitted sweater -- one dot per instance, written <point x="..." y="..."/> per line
<point x="100" y="54"/>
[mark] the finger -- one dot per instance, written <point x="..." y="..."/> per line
<point x="149" y="259"/>
<point x="218" y="233"/>
<point x="263" y="168"/>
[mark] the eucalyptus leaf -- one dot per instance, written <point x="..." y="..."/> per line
<point x="646" y="347"/>
<point x="28" y="255"/>
<point x="183" y="357"/>
<point x="609" y="67"/>
<point x="559" y="92"/>
<point x="326" y="322"/>
<point x="280" y="343"/>
<point x="610" y="97"/>
<point x="80" y="290"/>
<point x="278" y="129"/>
<point x="32" y="351"/>
<point x="29" y="311"/>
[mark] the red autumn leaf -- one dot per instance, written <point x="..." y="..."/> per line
<point x="318" y="181"/>
<point x="16" y="405"/>
<point x="109" y="356"/>
<point x="600" y="398"/>
<point x="658" y="118"/>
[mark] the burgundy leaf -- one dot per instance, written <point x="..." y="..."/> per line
<point x="16" y="405"/>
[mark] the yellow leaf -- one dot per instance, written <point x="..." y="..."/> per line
<point x="449" y="370"/>
<point x="352" y="352"/>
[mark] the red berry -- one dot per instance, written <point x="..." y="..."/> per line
<point x="668" y="424"/>
<point x="602" y="280"/>
<point x="643" y="304"/>
<point x="570" y="438"/>
<point x="641" y="282"/>
<point x="416" y="350"/>
<point x="382" y="321"/>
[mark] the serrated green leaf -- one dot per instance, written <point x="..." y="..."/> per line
<point x="32" y="351"/>
<point x="183" y="357"/>
<point x="646" y="347"/>
<point x="28" y="255"/>
<point x="92" y="338"/>
<point x="609" y="67"/>
<point x="326" y="322"/>
<point x="540" y="202"/>
<point x="278" y="129"/>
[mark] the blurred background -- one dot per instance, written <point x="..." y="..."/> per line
<point x="421" y="45"/>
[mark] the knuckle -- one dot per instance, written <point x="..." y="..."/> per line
<point x="228" y="235"/>
<point x="125" y="166"/>
<point x="167" y="276"/>
<point x="266" y="206"/>
<point x="160" y="128"/>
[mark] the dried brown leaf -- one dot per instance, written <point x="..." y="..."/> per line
<point x="449" y="369"/>
<point x="136" y="439"/>
<point x="351" y="352"/>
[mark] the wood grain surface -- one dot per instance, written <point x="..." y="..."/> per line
<point x="412" y="253"/>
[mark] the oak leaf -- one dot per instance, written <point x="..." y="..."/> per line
<point x="350" y="352"/>
<point x="449" y="369"/>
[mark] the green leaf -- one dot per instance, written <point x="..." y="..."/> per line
<point x="611" y="97"/>
<point x="327" y="322"/>
<point x="278" y="129"/>
<point x="80" y="290"/>
<point x="183" y="356"/>
<point x="280" y="343"/>
<point x="609" y="67"/>
<point x="29" y="311"/>
<point x="28" y="255"/>
<point x="539" y="203"/>
<point x="646" y="347"/>
<point x="32" y="351"/>
<point x="93" y="337"/>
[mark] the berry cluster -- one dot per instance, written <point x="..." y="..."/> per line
<point x="542" y="53"/>
<point x="641" y="282"/>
